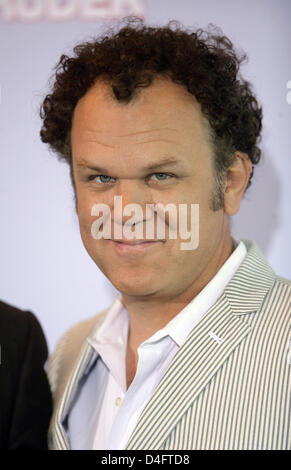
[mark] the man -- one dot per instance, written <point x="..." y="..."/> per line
<point x="193" y="352"/>
<point x="26" y="403"/>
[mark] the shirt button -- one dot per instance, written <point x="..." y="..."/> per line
<point x="118" y="401"/>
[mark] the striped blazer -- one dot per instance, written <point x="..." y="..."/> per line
<point x="227" y="394"/>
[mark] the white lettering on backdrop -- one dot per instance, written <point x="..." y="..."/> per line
<point x="30" y="11"/>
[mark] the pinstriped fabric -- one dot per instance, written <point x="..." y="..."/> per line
<point x="246" y="404"/>
<point x="64" y="378"/>
<point x="191" y="369"/>
<point x="228" y="395"/>
<point x="249" y="285"/>
<point x="55" y="362"/>
<point x="60" y="440"/>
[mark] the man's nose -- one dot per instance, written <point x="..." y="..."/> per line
<point x="130" y="194"/>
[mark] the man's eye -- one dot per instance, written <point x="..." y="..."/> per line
<point x="101" y="178"/>
<point x="161" y="176"/>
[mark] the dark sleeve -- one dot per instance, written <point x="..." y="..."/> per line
<point x="29" y="404"/>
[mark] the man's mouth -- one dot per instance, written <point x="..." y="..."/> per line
<point x="134" y="242"/>
<point x="125" y="246"/>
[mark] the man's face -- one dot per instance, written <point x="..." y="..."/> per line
<point x="155" y="149"/>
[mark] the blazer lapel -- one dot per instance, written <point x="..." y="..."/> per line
<point x="191" y="370"/>
<point x="58" y="436"/>
<point x="209" y="345"/>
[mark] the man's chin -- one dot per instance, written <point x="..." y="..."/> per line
<point x="130" y="280"/>
<point x="135" y="290"/>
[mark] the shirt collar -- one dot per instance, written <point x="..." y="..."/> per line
<point x="182" y="324"/>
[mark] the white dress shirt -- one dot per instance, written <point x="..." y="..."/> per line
<point x="118" y="408"/>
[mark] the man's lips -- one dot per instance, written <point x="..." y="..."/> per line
<point x="127" y="247"/>
<point x="134" y="242"/>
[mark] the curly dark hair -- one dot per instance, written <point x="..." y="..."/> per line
<point x="204" y="62"/>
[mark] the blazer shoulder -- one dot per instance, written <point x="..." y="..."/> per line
<point x="68" y="347"/>
<point x="278" y="300"/>
<point x="284" y="280"/>
<point x="19" y="325"/>
<point x="281" y="288"/>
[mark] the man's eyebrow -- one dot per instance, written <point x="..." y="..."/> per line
<point x="166" y="161"/>
<point x="154" y="166"/>
<point x="83" y="164"/>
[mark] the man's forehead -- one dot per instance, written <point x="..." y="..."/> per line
<point x="163" y="114"/>
<point x="160" y="161"/>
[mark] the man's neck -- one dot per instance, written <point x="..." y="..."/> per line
<point x="149" y="315"/>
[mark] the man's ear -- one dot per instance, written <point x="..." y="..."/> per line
<point x="237" y="178"/>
